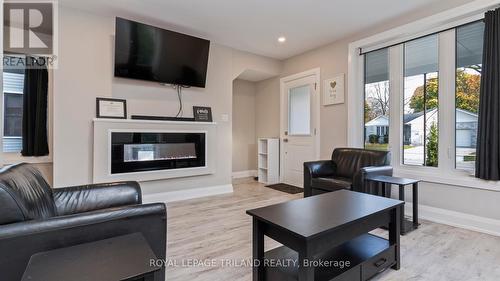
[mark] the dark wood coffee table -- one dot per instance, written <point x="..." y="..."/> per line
<point x="120" y="258"/>
<point x="329" y="228"/>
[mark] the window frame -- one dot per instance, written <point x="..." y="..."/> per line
<point x="445" y="173"/>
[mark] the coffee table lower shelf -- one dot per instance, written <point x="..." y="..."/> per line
<point x="367" y="254"/>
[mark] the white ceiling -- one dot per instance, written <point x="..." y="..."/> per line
<point x="255" y="25"/>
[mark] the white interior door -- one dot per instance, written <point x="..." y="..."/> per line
<point x="299" y="127"/>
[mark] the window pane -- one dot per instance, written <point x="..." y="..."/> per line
<point x="420" y="119"/>
<point x="468" y="79"/>
<point x="376" y="107"/>
<point x="13" y="112"/>
<point x="13" y="83"/>
<point x="299" y="111"/>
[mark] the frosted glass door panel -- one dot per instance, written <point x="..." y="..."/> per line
<point x="299" y="110"/>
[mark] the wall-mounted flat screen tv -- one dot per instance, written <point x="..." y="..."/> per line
<point x="150" y="53"/>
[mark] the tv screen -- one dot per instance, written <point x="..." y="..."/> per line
<point x="150" y="53"/>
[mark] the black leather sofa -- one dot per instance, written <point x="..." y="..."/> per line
<point x="347" y="169"/>
<point x="35" y="218"/>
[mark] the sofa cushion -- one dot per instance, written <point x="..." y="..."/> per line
<point x="331" y="184"/>
<point x="349" y="161"/>
<point x="26" y="193"/>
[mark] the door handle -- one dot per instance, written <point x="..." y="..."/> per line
<point x="285" y="140"/>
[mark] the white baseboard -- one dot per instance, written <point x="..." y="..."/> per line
<point x="244" y="174"/>
<point x="191" y="193"/>
<point x="433" y="214"/>
<point x="456" y="219"/>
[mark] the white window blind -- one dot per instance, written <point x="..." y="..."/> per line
<point x="421" y="56"/>
<point x="13" y="82"/>
<point x="470" y="44"/>
<point x="377" y="66"/>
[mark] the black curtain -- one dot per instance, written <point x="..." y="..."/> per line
<point x="488" y="138"/>
<point x="35" y="97"/>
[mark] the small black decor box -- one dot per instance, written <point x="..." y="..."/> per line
<point x="202" y="114"/>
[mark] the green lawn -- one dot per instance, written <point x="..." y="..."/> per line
<point x="382" y="146"/>
<point x="377" y="146"/>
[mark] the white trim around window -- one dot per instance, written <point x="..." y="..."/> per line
<point x="445" y="173"/>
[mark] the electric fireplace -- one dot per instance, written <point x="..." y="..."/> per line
<point x="150" y="151"/>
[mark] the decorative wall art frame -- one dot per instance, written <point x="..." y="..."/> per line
<point x="334" y="90"/>
<point x="111" y="108"/>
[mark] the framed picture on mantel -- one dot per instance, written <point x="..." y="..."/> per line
<point x="202" y="114"/>
<point x="111" y="108"/>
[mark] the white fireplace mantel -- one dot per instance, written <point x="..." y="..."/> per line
<point x="102" y="148"/>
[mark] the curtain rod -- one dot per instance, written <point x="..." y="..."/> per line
<point x="422" y="36"/>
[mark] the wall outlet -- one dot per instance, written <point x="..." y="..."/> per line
<point x="224" y="117"/>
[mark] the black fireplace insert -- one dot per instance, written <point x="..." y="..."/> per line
<point x="149" y="151"/>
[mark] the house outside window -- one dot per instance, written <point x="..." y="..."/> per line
<point x="420" y="102"/>
<point x="376" y="108"/>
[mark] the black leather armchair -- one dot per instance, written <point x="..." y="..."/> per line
<point x="347" y="169"/>
<point x="35" y="218"/>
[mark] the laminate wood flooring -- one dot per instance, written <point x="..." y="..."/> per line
<point x="210" y="239"/>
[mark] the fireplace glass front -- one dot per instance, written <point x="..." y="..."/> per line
<point x="136" y="152"/>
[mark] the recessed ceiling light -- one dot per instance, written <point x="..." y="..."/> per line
<point x="282" y="39"/>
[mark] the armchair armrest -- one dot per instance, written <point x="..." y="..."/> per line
<point x="377" y="171"/>
<point x="314" y="169"/>
<point x="22" y="240"/>
<point x="365" y="172"/>
<point x="321" y="168"/>
<point x="84" y="198"/>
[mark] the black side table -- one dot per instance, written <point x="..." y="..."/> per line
<point x="406" y="225"/>
<point x="119" y="258"/>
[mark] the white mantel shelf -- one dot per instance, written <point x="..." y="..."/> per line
<point x="142" y="121"/>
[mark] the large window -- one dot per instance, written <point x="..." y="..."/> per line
<point x="376" y="109"/>
<point x="420" y="102"/>
<point x="13" y="83"/>
<point x="425" y="94"/>
<point x="469" y="53"/>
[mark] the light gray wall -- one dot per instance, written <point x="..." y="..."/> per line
<point x="244" y="139"/>
<point x="86" y="71"/>
<point x="333" y="59"/>
<point x="267" y="108"/>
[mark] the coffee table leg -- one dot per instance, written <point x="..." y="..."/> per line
<point x="402" y="214"/>
<point x="306" y="273"/>
<point x="415" y="205"/>
<point x="394" y="234"/>
<point x="258" y="251"/>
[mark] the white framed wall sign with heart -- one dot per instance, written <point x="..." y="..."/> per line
<point x="333" y="92"/>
